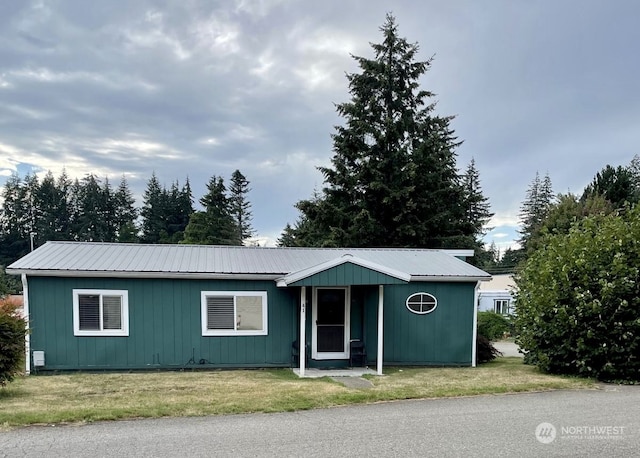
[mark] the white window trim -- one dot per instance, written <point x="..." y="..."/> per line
<point x="508" y="306"/>
<point x="123" y="332"/>
<point x="319" y="355"/>
<point x="233" y="332"/>
<point x="421" y="313"/>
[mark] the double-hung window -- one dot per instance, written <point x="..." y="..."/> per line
<point x="502" y="306"/>
<point x="98" y="312"/>
<point x="234" y="313"/>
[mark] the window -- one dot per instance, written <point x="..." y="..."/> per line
<point x="234" y="313"/>
<point x="421" y="303"/>
<point x="98" y="312"/>
<point x="501" y="306"/>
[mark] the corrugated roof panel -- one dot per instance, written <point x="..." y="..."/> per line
<point x="193" y="259"/>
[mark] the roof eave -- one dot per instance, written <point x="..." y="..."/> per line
<point x="125" y="274"/>
<point x="450" y="278"/>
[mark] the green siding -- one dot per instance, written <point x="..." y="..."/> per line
<point x="348" y="274"/>
<point x="442" y="337"/>
<point x="165" y="329"/>
<point x="164" y="326"/>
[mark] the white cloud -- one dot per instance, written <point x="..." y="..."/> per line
<point x="217" y="36"/>
<point x="257" y="8"/>
<point x="150" y="33"/>
<point x="108" y="80"/>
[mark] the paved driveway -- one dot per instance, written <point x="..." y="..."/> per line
<point x="508" y="348"/>
<point x="603" y="422"/>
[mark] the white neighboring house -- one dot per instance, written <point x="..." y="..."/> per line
<point x="496" y="295"/>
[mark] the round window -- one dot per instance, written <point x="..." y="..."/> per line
<point x="421" y="303"/>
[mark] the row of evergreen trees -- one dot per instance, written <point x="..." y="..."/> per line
<point x="543" y="212"/>
<point x="35" y="211"/>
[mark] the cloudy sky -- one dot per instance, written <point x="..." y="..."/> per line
<point x="195" y="88"/>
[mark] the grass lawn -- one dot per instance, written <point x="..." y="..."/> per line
<point x="86" y="397"/>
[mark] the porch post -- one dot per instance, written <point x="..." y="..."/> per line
<point x="380" y="328"/>
<point x="302" y="343"/>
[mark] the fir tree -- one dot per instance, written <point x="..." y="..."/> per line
<point x="15" y="241"/>
<point x="125" y="213"/>
<point x="52" y="213"/>
<point x="239" y="205"/>
<point x="153" y="212"/>
<point x="535" y="208"/>
<point x="93" y="216"/>
<point x="393" y="180"/>
<point x="214" y="225"/>
<point x="287" y="238"/>
<point x="477" y="208"/>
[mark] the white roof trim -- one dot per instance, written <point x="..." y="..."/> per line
<point x="452" y="278"/>
<point x="128" y="274"/>
<point x="347" y="258"/>
<point x="458" y="252"/>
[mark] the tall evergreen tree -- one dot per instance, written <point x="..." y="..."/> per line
<point x="535" y="208"/>
<point x="65" y="210"/>
<point x="93" y="215"/>
<point x="185" y="206"/>
<point x="14" y="242"/>
<point x="154" y="212"/>
<point x="52" y="213"/>
<point x="214" y="225"/>
<point x="165" y="212"/>
<point x="239" y="205"/>
<point x="287" y="238"/>
<point x="125" y="213"/>
<point x="393" y="179"/>
<point x="477" y="208"/>
<point x="179" y="203"/>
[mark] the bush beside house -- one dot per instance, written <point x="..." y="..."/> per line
<point x="12" y="334"/>
<point x="492" y="325"/>
<point x="578" y="300"/>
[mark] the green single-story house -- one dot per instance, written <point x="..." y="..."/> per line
<point x="114" y="306"/>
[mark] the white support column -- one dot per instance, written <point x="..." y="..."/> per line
<point x="380" y="328"/>
<point x="302" y="343"/>
<point x="475" y="325"/>
<point x="25" y="311"/>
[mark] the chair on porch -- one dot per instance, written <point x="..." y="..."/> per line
<point x="295" y="354"/>
<point x="357" y="353"/>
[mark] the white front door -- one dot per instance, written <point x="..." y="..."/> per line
<point x="330" y="334"/>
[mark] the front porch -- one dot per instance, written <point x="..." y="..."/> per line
<point x="334" y="318"/>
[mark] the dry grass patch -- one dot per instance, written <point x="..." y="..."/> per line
<point x="505" y="375"/>
<point x="81" y="397"/>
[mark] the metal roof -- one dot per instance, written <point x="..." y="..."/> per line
<point x="207" y="261"/>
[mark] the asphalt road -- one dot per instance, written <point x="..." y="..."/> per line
<point x="604" y="422"/>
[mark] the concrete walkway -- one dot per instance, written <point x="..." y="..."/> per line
<point x="346" y="372"/>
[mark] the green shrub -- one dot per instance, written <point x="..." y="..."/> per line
<point x="12" y="333"/>
<point x="578" y="300"/>
<point x="492" y="325"/>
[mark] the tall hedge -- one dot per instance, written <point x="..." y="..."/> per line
<point x="578" y="300"/>
<point x="12" y="333"/>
